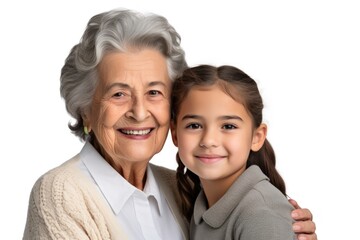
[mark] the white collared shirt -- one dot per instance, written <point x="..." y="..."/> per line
<point x="143" y="214"/>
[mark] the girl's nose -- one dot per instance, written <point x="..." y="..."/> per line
<point x="210" y="138"/>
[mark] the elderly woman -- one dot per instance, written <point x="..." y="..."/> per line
<point x="117" y="84"/>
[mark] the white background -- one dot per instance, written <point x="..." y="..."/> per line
<point x="305" y="56"/>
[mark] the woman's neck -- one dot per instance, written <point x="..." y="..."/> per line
<point x="133" y="172"/>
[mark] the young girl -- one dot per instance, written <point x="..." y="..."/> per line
<point x="230" y="166"/>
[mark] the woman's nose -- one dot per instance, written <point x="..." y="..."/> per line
<point x="138" y="109"/>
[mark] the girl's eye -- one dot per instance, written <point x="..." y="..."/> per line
<point x="193" y="126"/>
<point x="229" y="126"/>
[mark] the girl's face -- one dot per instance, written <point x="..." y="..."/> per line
<point x="214" y="134"/>
<point x="130" y="112"/>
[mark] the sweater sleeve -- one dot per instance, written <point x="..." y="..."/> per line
<point x="35" y="225"/>
<point x="63" y="205"/>
<point x="60" y="209"/>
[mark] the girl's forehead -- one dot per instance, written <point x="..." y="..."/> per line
<point x="212" y="103"/>
<point x="225" y="87"/>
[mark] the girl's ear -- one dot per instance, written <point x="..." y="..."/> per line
<point x="173" y="133"/>
<point x="259" y="137"/>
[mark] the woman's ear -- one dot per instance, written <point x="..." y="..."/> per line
<point x="86" y="120"/>
<point x="259" y="137"/>
<point x="173" y="133"/>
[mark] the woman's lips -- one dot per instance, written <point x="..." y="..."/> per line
<point x="137" y="134"/>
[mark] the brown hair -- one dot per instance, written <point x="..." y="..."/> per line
<point x="244" y="90"/>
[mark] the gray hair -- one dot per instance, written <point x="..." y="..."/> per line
<point x="114" y="31"/>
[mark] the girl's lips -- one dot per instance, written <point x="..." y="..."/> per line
<point x="210" y="158"/>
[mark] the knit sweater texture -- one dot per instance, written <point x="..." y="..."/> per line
<point x="65" y="204"/>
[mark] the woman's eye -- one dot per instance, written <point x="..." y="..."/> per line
<point x="154" y="92"/>
<point x="229" y="126"/>
<point x="119" y="94"/>
<point x="193" y="126"/>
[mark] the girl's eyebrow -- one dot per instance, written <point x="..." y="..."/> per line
<point x="226" y="117"/>
<point x="230" y="117"/>
<point x="192" y="116"/>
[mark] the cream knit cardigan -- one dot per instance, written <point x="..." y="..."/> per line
<point x="64" y="204"/>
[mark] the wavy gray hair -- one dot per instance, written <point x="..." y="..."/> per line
<point x="114" y="31"/>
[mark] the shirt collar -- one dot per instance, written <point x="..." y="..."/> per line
<point x="220" y="211"/>
<point x="116" y="190"/>
<point x="152" y="189"/>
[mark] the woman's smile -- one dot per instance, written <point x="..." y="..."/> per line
<point x="137" y="134"/>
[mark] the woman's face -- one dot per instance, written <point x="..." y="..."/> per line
<point x="130" y="111"/>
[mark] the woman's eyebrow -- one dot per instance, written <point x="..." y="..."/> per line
<point x="117" y="84"/>
<point x="154" y="83"/>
